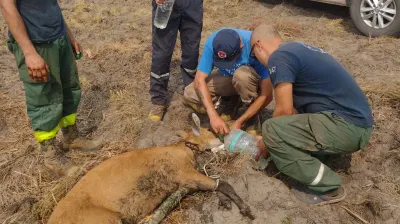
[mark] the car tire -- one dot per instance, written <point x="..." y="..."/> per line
<point x="365" y="26"/>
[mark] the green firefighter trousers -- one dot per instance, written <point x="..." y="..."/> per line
<point x="52" y="104"/>
<point x="292" y="140"/>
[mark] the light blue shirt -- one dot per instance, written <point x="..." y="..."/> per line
<point x="206" y="64"/>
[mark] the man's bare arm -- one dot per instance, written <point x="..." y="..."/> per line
<point x="284" y="100"/>
<point x="262" y="101"/>
<point x="17" y="26"/>
<point x="37" y="67"/>
<point x="75" y="44"/>
<point x="204" y="95"/>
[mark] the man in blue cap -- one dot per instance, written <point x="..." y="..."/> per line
<point x="239" y="74"/>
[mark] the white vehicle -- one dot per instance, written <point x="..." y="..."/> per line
<point x="372" y="17"/>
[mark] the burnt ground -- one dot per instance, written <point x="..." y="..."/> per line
<point x="114" y="74"/>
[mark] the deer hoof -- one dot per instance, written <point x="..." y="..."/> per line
<point x="225" y="204"/>
<point x="246" y="211"/>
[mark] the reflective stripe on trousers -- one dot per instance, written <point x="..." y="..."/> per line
<point x="190" y="71"/>
<point x="47" y="135"/>
<point x="154" y="75"/>
<point x="319" y="175"/>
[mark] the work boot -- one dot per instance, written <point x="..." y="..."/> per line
<point x="253" y="125"/>
<point x="157" y="113"/>
<point x="225" y="107"/>
<point x="55" y="160"/>
<point x="73" y="141"/>
<point x="196" y="107"/>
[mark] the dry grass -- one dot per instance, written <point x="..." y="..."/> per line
<point x="383" y="94"/>
<point x="114" y="78"/>
<point x="52" y="194"/>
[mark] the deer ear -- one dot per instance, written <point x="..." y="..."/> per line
<point x="196" y="131"/>
<point x="195" y="124"/>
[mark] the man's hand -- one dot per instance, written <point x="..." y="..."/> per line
<point x="37" y="67"/>
<point x="76" y="46"/>
<point x="160" y="2"/>
<point x="236" y="125"/>
<point x="263" y="152"/>
<point x="219" y="125"/>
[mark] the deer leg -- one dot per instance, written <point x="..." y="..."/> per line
<point x="224" y="201"/>
<point x="228" y="190"/>
<point x="197" y="181"/>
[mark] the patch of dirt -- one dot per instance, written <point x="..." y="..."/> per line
<point x="114" y="74"/>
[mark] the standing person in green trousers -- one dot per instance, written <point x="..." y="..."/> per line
<point x="320" y="110"/>
<point x="45" y="49"/>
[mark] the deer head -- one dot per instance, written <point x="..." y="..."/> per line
<point x="200" y="136"/>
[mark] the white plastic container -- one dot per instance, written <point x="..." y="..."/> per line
<point x="241" y="141"/>
<point x="163" y="13"/>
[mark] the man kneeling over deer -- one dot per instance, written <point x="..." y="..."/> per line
<point x="130" y="186"/>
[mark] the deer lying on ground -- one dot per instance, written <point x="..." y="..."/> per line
<point x="128" y="187"/>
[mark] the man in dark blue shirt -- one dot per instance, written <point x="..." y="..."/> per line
<point x="45" y="51"/>
<point x="320" y="110"/>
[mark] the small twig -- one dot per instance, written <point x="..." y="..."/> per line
<point x="355" y="215"/>
<point x="40" y="177"/>
<point x="390" y="205"/>
<point x="246" y="182"/>
<point x="362" y="202"/>
<point x="276" y="174"/>
<point x="90" y="113"/>
<point x="368" y="185"/>
<point x="22" y="174"/>
<point x="30" y="165"/>
<point x="12" y="218"/>
<point x="54" y="198"/>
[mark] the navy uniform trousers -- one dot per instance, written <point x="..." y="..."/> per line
<point x="187" y="18"/>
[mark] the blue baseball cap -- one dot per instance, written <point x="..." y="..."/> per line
<point x="226" y="48"/>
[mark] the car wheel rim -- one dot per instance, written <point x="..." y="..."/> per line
<point x="378" y="14"/>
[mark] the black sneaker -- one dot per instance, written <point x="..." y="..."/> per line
<point x="253" y="125"/>
<point x="225" y="107"/>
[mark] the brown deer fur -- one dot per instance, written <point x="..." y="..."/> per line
<point x="131" y="185"/>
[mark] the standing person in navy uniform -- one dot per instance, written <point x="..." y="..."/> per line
<point x="187" y="18"/>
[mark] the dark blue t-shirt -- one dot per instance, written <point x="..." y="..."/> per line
<point x="43" y="19"/>
<point x="320" y="83"/>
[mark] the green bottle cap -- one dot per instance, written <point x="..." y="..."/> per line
<point x="78" y="56"/>
<point x="221" y="137"/>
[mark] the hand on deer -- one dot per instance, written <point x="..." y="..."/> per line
<point x="219" y="125"/>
